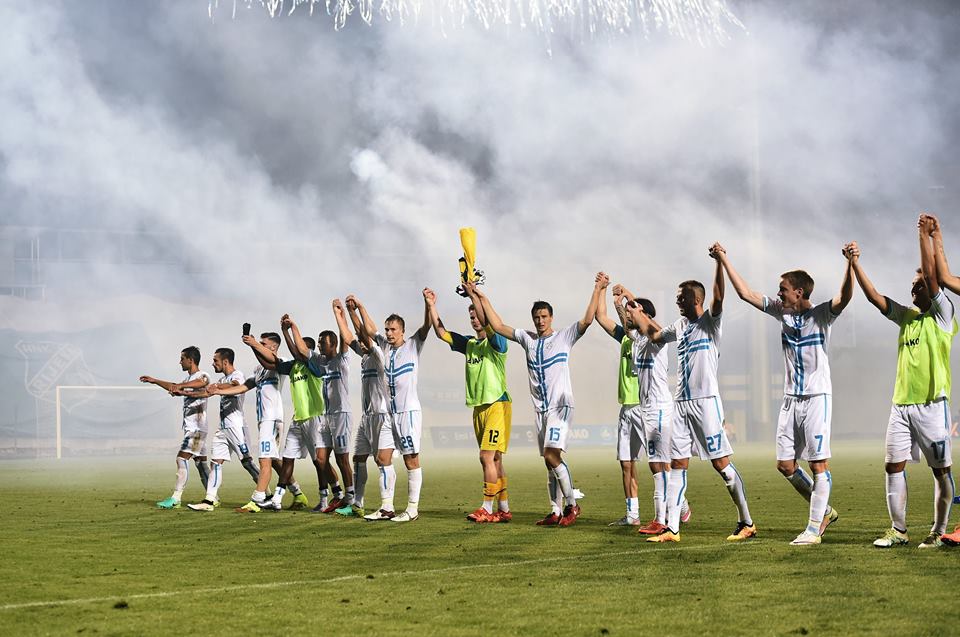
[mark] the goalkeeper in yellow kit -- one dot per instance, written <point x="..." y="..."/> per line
<point x="486" y="390"/>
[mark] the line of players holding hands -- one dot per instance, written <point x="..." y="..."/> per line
<point x="669" y="427"/>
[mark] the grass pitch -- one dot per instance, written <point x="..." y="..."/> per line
<point x="85" y="551"/>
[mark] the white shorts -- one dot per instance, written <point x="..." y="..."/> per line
<point x="334" y="432"/>
<point x="657" y="431"/>
<point x="407" y="426"/>
<point x="630" y="440"/>
<point x="553" y="426"/>
<point x="194" y="442"/>
<point x="698" y="428"/>
<point x="374" y="433"/>
<point x="803" y="428"/>
<point x="229" y="440"/>
<point x="916" y="429"/>
<point x="269" y="438"/>
<point x="301" y="440"/>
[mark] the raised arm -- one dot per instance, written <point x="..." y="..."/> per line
<point x="302" y="352"/>
<point x="471" y="289"/>
<point x="369" y="326"/>
<point x="493" y="319"/>
<point x="879" y="301"/>
<point x="645" y="325"/>
<point x="291" y="334"/>
<point x="716" y="305"/>
<point x="928" y="263"/>
<point x="743" y="290"/>
<point x="841" y="300"/>
<point x="421" y="333"/>
<point x="609" y="325"/>
<point x="346" y="336"/>
<point x="946" y="278"/>
<point x="600" y="283"/>
<point x="264" y="356"/>
<point x="438" y="328"/>
<point x="365" y="339"/>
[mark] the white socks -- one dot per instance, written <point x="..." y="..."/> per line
<point x="554" y="493"/>
<point x="676" y="487"/>
<point x="182" y="476"/>
<point x="897" y="500"/>
<point x="414" y="482"/>
<point x="818" y="501"/>
<point x="802" y="483"/>
<point x="562" y="474"/>
<point x="359" y="481"/>
<point x="735" y="486"/>
<point x="942" y="500"/>
<point x="660" y="496"/>
<point x="633" y="508"/>
<point x="213" y="482"/>
<point x="388" y="481"/>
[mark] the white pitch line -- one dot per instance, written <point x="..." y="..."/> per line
<point x="345" y="578"/>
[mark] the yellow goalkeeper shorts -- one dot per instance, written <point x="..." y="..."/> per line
<point x="491" y="424"/>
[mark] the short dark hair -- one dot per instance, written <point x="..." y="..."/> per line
<point x="541" y="305"/>
<point x="328" y="335"/>
<point x="799" y="279"/>
<point x="193" y="353"/>
<point x="647" y="306"/>
<point x="696" y="286"/>
<point x="396" y="318"/>
<point x="311" y="344"/>
<point x="271" y="336"/>
<point x="225" y="352"/>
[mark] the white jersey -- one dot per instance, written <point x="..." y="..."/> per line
<point x="231" y="407"/>
<point x="651" y="362"/>
<point x="698" y="354"/>
<point x="373" y="380"/>
<point x="336" y="395"/>
<point x="195" y="409"/>
<point x="805" y="337"/>
<point x="401" y="365"/>
<point x="269" y="384"/>
<point x="547" y="364"/>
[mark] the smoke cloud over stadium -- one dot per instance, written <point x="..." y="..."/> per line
<point x="278" y="164"/>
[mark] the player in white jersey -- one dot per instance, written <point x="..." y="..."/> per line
<point x="375" y="433"/>
<point x="698" y="416"/>
<point x="194" y="441"/>
<point x="268" y="384"/>
<point x="335" y="429"/>
<point x="401" y="366"/>
<point x="231" y="437"/>
<point x="652" y="415"/>
<point x="548" y="354"/>
<point x="803" y="429"/>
